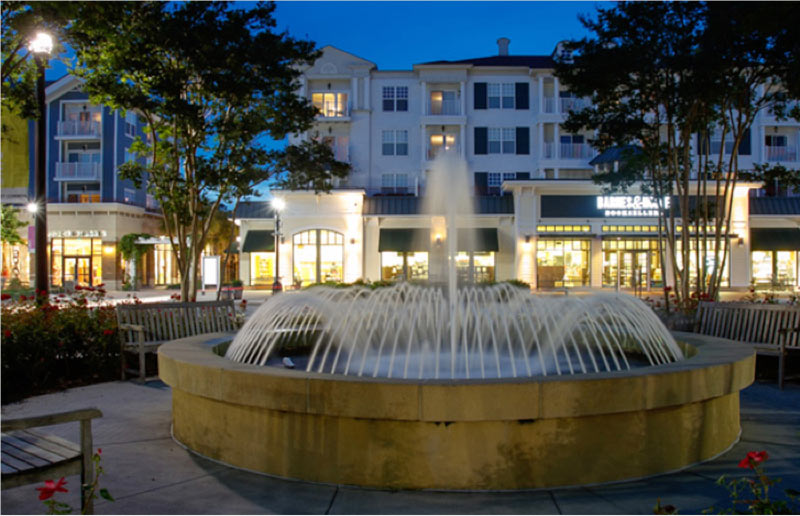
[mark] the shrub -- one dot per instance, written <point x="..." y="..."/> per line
<point x="68" y="342"/>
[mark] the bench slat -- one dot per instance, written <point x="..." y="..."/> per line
<point x="14" y="462"/>
<point x="29" y="458"/>
<point x="13" y="441"/>
<point x="50" y="442"/>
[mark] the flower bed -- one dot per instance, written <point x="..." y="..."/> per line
<point x="62" y="344"/>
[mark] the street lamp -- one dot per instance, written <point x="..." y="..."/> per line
<point x="40" y="47"/>
<point x="278" y="205"/>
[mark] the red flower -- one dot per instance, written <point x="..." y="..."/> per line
<point x="5" y="296"/>
<point x="7" y="333"/>
<point x="753" y="458"/>
<point x="78" y="287"/>
<point x="99" y="451"/>
<point x="23" y="298"/>
<point x="108" y="332"/>
<point x="50" y="488"/>
<point x="667" y="288"/>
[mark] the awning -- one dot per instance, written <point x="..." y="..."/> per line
<point x="479" y="240"/>
<point x="775" y="239"/>
<point x="404" y="240"/>
<point x="259" y="241"/>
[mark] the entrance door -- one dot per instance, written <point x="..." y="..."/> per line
<point x="633" y="269"/>
<point x="78" y="269"/>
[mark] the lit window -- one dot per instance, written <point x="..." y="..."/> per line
<point x="330" y="105"/>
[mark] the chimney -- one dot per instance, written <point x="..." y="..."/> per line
<point x="502" y="46"/>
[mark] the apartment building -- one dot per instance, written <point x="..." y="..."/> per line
<point x="539" y="216"/>
<point x="89" y="206"/>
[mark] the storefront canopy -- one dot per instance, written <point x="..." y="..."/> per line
<point x="479" y="240"/>
<point x="404" y="240"/>
<point x="775" y="239"/>
<point x="259" y="241"/>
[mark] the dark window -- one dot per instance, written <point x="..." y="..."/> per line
<point x="523" y="140"/>
<point x="481" y="140"/>
<point x="481" y="184"/>
<point x="523" y="95"/>
<point x="480" y="96"/>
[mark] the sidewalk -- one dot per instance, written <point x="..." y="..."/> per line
<point x="148" y="473"/>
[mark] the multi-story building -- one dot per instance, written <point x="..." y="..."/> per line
<point x="14" y="193"/>
<point x="539" y="216"/>
<point x="89" y="207"/>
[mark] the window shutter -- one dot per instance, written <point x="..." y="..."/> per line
<point x="480" y="95"/>
<point x="702" y="145"/>
<point x="523" y="95"/>
<point x="481" y="183"/>
<point x="523" y="140"/>
<point x="744" y="145"/>
<point x="523" y="175"/>
<point x="481" y="140"/>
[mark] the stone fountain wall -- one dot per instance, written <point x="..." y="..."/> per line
<point x="461" y="434"/>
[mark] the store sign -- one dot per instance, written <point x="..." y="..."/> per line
<point x="78" y="233"/>
<point x="629" y="205"/>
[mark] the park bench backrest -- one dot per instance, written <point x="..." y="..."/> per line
<point x="750" y="322"/>
<point x="169" y="321"/>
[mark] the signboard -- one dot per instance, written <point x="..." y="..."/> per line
<point x="599" y="206"/>
<point x="210" y="271"/>
<point x="78" y="233"/>
<point x="629" y="205"/>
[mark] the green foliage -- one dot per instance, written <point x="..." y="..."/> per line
<point x="58" y="345"/>
<point x="128" y="247"/>
<point x="773" y="177"/>
<point x="10" y="225"/>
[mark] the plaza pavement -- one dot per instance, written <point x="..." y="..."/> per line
<point x="149" y="473"/>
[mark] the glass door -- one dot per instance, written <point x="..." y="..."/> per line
<point x="78" y="269"/>
<point x="633" y="269"/>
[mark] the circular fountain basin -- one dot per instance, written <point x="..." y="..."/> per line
<point x="492" y="434"/>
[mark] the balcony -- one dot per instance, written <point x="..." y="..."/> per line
<point x="434" y="150"/>
<point x="333" y="112"/>
<point x="783" y="153"/>
<point x="77" y="172"/>
<point x="573" y="104"/>
<point x="549" y="105"/>
<point x="549" y="150"/>
<point x="576" y="151"/>
<point x="78" y="129"/>
<point x="444" y="107"/>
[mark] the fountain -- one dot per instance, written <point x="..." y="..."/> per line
<point x="454" y="387"/>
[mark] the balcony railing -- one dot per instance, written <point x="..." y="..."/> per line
<point x="334" y="111"/>
<point x="444" y="107"/>
<point x="77" y="172"/>
<point x="549" y="150"/>
<point x="780" y="153"/>
<point x="576" y="151"/>
<point x="573" y="104"/>
<point x="434" y="151"/>
<point x="549" y="105"/>
<point x="78" y="128"/>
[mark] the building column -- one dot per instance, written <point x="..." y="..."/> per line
<point x="540" y="144"/>
<point x="556" y="98"/>
<point x="463" y="98"/>
<point x="424" y="99"/>
<point x="461" y="142"/>
<point x="367" y="92"/>
<point x="354" y="92"/>
<point x="423" y="147"/>
<point x="541" y="94"/>
<point x="557" y="141"/>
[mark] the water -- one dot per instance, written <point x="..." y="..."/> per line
<point x="408" y="331"/>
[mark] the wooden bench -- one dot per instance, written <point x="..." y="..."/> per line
<point x="144" y="327"/>
<point x="770" y="329"/>
<point x="31" y="456"/>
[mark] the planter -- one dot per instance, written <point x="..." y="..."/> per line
<point x="232" y="292"/>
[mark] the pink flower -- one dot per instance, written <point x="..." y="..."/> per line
<point x="50" y="488"/>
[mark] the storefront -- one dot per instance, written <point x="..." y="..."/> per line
<point x="318" y="256"/>
<point x="16" y="263"/>
<point x="404" y="254"/>
<point x="476" y="258"/>
<point x="260" y="243"/>
<point x="165" y="265"/>
<point x="76" y="257"/>
<point x="773" y="257"/>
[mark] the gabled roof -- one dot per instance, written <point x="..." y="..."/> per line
<point x="505" y="61"/>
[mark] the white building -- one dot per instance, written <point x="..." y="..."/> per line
<point x="538" y="215"/>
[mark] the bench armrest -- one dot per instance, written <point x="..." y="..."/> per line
<point x="50" y="419"/>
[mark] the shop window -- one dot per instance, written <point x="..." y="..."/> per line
<point x="262" y="269"/>
<point x="398" y="266"/>
<point x="318" y="256"/>
<point x="475" y="267"/>
<point x="562" y="263"/>
<point x="774" y="268"/>
<point x="76" y="260"/>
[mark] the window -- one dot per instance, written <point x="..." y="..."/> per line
<point x="501" y="95"/>
<point x="394" y="183"/>
<point x="395" y="143"/>
<point x="404" y="266"/>
<point x="310" y="245"/>
<point x="129" y="156"/>
<point x="330" y="105"/>
<point x="395" y="98"/>
<point x="502" y="140"/>
<point x="494" y="181"/>
<point x="775" y="140"/>
<point x="130" y="124"/>
<point x="444" y="102"/>
<point x="129" y="195"/>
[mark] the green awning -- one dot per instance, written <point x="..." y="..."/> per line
<point x="775" y="239"/>
<point x="479" y="240"/>
<point x="259" y="241"/>
<point x="404" y="240"/>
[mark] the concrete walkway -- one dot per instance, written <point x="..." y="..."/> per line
<point x="148" y="473"/>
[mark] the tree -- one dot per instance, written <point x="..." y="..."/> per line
<point x="213" y="83"/>
<point x="11" y="225"/>
<point x="661" y="73"/>
<point x="132" y="252"/>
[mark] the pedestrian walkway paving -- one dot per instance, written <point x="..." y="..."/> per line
<point x="147" y="472"/>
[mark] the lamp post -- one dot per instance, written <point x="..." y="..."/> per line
<point x="40" y="47"/>
<point x="278" y="205"/>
